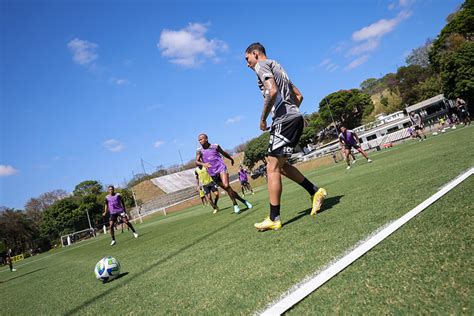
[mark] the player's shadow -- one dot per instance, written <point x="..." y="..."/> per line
<point x="328" y="204"/>
<point x="159" y="262"/>
<point x="22" y="275"/>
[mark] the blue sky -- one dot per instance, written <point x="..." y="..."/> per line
<point x="88" y="88"/>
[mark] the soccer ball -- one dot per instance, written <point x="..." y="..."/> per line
<point x="107" y="269"/>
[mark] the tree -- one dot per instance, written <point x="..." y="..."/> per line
<point x="420" y="56"/>
<point x="314" y="125"/>
<point x="408" y="77"/>
<point x="256" y="150"/>
<point x="64" y="216"/>
<point x="35" y="207"/>
<point x="18" y="231"/>
<point x="460" y="26"/>
<point x="347" y="107"/>
<point x="87" y="187"/>
<point x="457" y="73"/>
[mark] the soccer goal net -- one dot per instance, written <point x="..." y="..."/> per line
<point x="75" y="237"/>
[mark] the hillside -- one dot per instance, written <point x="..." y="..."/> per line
<point x="393" y="104"/>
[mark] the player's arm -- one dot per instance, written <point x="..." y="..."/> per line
<point x="123" y="204"/>
<point x="356" y="137"/>
<point x="225" y="154"/>
<point x="197" y="180"/>
<point x="199" y="160"/>
<point x="269" y="93"/>
<point x="106" y="206"/>
<point x="298" y="97"/>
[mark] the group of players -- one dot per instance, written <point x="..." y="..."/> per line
<point x="281" y="99"/>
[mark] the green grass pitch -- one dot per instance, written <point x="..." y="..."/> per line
<point x="196" y="262"/>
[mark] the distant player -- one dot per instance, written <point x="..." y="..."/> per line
<point x="282" y="99"/>
<point x="210" y="157"/>
<point x="348" y="140"/>
<point x="244" y="180"/>
<point x="10" y="261"/>
<point x="202" y="196"/>
<point x="463" y="112"/>
<point x="115" y="206"/>
<point x="418" y="126"/>
<point x="207" y="186"/>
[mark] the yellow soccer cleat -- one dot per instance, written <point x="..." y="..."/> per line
<point x="268" y="224"/>
<point x="318" y="200"/>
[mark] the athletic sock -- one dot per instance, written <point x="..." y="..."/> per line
<point x="274" y="212"/>
<point x="308" y="186"/>
<point x="237" y="196"/>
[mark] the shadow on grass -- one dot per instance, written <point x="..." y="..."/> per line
<point x="159" y="262"/>
<point x="121" y="275"/>
<point x="22" y="275"/>
<point x="327" y="205"/>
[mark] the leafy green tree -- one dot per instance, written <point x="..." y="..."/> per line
<point x="87" y="187"/>
<point x="347" y="107"/>
<point x="18" y="231"/>
<point x="314" y="124"/>
<point x="64" y="216"/>
<point x="408" y="77"/>
<point x="457" y="73"/>
<point x="460" y="27"/>
<point x="256" y="150"/>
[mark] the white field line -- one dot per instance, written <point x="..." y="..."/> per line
<point x="310" y="284"/>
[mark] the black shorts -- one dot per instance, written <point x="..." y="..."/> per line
<point x="244" y="182"/>
<point x="210" y="187"/>
<point x="355" y="146"/>
<point x="284" y="136"/>
<point x="217" y="178"/>
<point x="114" y="217"/>
<point x="418" y="128"/>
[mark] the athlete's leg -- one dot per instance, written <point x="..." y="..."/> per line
<point x="274" y="172"/>
<point x="129" y="224"/>
<point x="112" y="226"/>
<point x="347" y="152"/>
<point x="294" y="174"/>
<point x="226" y="186"/>
<point x="359" y="149"/>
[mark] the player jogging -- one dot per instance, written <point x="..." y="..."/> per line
<point x="417" y="123"/>
<point x="115" y="206"/>
<point x="348" y="139"/>
<point x="244" y="180"/>
<point x="10" y="261"/>
<point x="282" y="99"/>
<point x="207" y="186"/>
<point x="210" y="156"/>
<point x="464" y="116"/>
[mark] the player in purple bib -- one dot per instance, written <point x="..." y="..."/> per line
<point x="116" y="208"/>
<point x="244" y="180"/>
<point x="348" y="140"/>
<point x="210" y="156"/>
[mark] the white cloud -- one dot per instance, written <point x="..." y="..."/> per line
<point x="392" y="5"/>
<point x="119" y="81"/>
<point x="233" y="120"/>
<point x="113" y="145"/>
<point x="380" y="28"/>
<point x="83" y="52"/>
<point x="328" y="65"/>
<point x="189" y="46"/>
<point x="158" y="143"/>
<point x="7" y="170"/>
<point x="367" y="46"/>
<point x="357" y="62"/>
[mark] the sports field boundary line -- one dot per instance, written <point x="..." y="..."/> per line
<point x="312" y="283"/>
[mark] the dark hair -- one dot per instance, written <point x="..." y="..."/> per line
<point x="256" y="46"/>
<point x="110" y="186"/>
